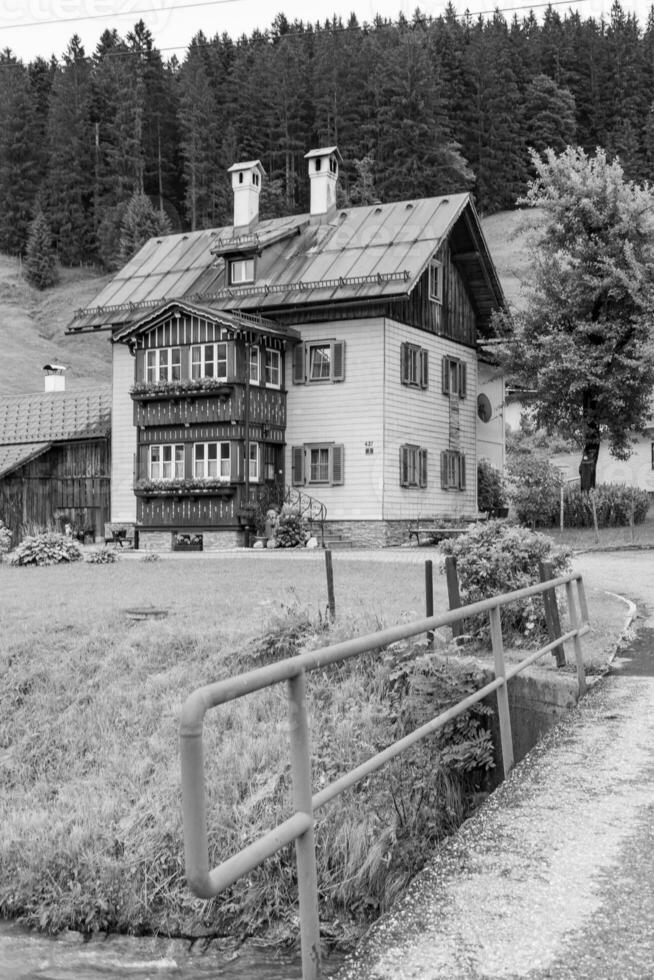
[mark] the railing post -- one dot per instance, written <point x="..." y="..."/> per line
<point x="305" y="853"/>
<point x="506" y="738"/>
<point x="429" y="597"/>
<point x="546" y="572"/>
<point x="329" y="571"/>
<point x="575" y="623"/>
<point x="453" y="594"/>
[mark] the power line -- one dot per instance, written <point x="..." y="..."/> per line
<point x="131" y="13"/>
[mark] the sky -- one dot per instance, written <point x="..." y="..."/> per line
<point x="44" y="27"/>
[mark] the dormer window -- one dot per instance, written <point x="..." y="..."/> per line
<point x="241" y="271"/>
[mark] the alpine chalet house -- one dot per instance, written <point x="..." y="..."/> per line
<point x="333" y="353"/>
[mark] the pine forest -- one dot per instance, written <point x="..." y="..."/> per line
<point x="417" y="107"/>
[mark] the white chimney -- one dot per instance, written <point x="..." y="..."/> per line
<point x="246" y="184"/>
<point x="54" y="377"/>
<point x="323" y="174"/>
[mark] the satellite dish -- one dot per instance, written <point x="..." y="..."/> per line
<point x="484" y="408"/>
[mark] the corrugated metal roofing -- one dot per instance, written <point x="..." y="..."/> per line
<point x="28" y="422"/>
<point x="375" y="251"/>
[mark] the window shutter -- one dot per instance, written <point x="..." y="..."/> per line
<point x="337" y="456"/>
<point x="444" y="484"/>
<point x="404" y="466"/>
<point x="338" y="360"/>
<point x="445" y="370"/>
<point x="462" y="379"/>
<point x="140" y="365"/>
<point x="462" y="472"/>
<point x="298" y="364"/>
<point x="297" y="465"/>
<point x="404" y="372"/>
<point x="422" y="467"/>
<point x="424" y="368"/>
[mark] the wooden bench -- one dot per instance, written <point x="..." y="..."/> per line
<point x="119" y="535"/>
<point x="432" y="531"/>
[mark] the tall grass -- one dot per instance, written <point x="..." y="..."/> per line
<point x="91" y="834"/>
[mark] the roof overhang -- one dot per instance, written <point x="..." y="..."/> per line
<point x="239" y="323"/>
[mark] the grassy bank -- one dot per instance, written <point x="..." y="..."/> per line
<point x="91" y="834"/>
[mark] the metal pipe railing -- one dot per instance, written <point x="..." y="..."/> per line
<point x="206" y="882"/>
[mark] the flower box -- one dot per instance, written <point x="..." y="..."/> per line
<point x="176" y="390"/>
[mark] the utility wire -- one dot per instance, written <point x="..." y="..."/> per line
<point x="126" y="13"/>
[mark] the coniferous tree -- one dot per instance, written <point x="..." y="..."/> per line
<point x="550" y="115"/>
<point x="40" y="258"/>
<point x="20" y="163"/>
<point x="140" y="223"/>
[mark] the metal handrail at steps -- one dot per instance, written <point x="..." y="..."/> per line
<point x="311" y="510"/>
<point x="206" y="882"/>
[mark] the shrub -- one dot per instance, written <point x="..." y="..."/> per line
<point x="5" y="538"/>
<point x="290" y="531"/>
<point x="105" y="556"/>
<point x="45" y="549"/>
<point x="491" y="493"/>
<point x="613" y="505"/>
<point x="535" y="490"/>
<point x="499" y="557"/>
<point x="151" y="556"/>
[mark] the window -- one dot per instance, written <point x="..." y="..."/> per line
<point x="254" y="461"/>
<point x="436" y="282"/>
<point x="320" y="361"/>
<point x="414" y="366"/>
<point x="212" y="461"/>
<point x="241" y="271"/>
<point x="413" y="466"/>
<point x="453" y="470"/>
<point x="454" y="377"/>
<point x="254" y="360"/>
<point x="317" y="463"/>
<point x="163" y="364"/>
<point x="273" y="368"/>
<point x="209" y="361"/>
<point x="166" y="462"/>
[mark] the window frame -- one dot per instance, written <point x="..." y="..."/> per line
<point x="270" y="355"/>
<point x="414" y="365"/>
<point x="202" y="348"/>
<point x="302" y="362"/>
<point x="177" y="461"/>
<point x="435" y="271"/>
<point x="172" y="369"/>
<point x="206" y="461"/>
<point x="254" y="458"/>
<point x="254" y="377"/>
<point x="414" y="472"/>
<point x="301" y="468"/>
<point x="454" y="376"/>
<point x="453" y="470"/>
<point x="247" y="264"/>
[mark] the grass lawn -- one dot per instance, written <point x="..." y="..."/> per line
<point x="585" y="539"/>
<point x="90" y="813"/>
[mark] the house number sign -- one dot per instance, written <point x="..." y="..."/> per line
<point x="370" y="448"/>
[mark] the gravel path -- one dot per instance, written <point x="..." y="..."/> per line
<point x="554" y="876"/>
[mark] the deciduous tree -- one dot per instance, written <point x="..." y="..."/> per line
<point x="584" y="342"/>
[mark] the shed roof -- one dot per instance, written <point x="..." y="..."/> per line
<point x="29" y="424"/>
<point x="373" y="252"/>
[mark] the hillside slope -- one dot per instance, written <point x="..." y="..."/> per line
<point x="32" y="330"/>
<point x="33" y="323"/>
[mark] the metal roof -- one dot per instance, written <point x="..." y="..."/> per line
<point x="29" y="424"/>
<point x="372" y="252"/>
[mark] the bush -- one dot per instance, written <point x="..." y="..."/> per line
<point x="613" y="505"/>
<point x="496" y="558"/>
<point x="5" y="538"/>
<point x="535" y="490"/>
<point x="105" y="556"/>
<point x="491" y="492"/>
<point x="290" y="531"/>
<point x="45" y="549"/>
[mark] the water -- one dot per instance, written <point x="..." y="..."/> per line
<point x="26" y="955"/>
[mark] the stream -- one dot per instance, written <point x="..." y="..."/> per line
<point x="26" y="955"/>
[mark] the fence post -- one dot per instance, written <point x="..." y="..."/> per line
<point x="331" y="601"/>
<point x="546" y="572"/>
<point x="429" y="597"/>
<point x="453" y="594"/>
<point x="575" y="622"/>
<point x="305" y="852"/>
<point x="506" y="738"/>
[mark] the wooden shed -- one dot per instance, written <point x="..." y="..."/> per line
<point x="55" y="461"/>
